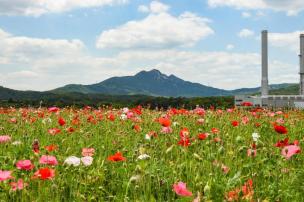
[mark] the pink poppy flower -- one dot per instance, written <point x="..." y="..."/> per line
<point x="54" y="131"/>
<point x="280" y="121"/>
<point x="225" y="168"/>
<point x="181" y="189"/>
<point x="24" y="165"/>
<point x="13" y="120"/>
<point x="53" y="109"/>
<point x="5" y="138"/>
<point x="251" y="152"/>
<point x="166" y="130"/>
<point x="49" y="160"/>
<point x="200" y="121"/>
<point x="5" y="175"/>
<point x="290" y="150"/>
<point x="19" y="185"/>
<point x="88" y="151"/>
<point x="245" y="120"/>
<point x="229" y="110"/>
<point x="130" y="115"/>
<point x="200" y="111"/>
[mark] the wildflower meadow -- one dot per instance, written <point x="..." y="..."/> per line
<point x="139" y="154"/>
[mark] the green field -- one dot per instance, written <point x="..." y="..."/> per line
<point x="221" y="155"/>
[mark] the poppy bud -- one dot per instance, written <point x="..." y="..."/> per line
<point x="35" y="146"/>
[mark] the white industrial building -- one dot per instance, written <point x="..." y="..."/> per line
<point x="277" y="101"/>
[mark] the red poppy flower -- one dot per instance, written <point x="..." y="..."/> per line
<point x="111" y="117"/>
<point x="165" y="122"/>
<point x="184" y="133"/>
<point x="70" y="129"/>
<point x="257" y="125"/>
<point x="246" y="104"/>
<point x="51" y="147"/>
<point x="215" y="130"/>
<point x="282" y="143"/>
<point x="247" y="190"/>
<point x="185" y="142"/>
<point x="203" y="136"/>
<point x="75" y="121"/>
<point x="91" y="119"/>
<point x="116" y="157"/>
<point x="233" y="195"/>
<point x="61" y="121"/>
<point x="234" y="123"/>
<point x="44" y="173"/>
<point x="137" y="128"/>
<point x="87" y="108"/>
<point x="137" y="110"/>
<point x="296" y="142"/>
<point x="280" y="129"/>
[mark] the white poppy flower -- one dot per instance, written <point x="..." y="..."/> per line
<point x="125" y="110"/>
<point x="135" y="178"/>
<point x="123" y="117"/>
<point x="255" y="137"/>
<point x="72" y="160"/>
<point x="87" y="160"/>
<point x="147" y="137"/>
<point x="143" y="157"/>
<point x="16" y="143"/>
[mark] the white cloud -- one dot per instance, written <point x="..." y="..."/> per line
<point x="158" y="7"/>
<point x="17" y="48"/>
<point x="229" y="47"/>
<point x="260" y="14"/>
<point x="245" y="33"/>
<point x="157" y="30"/>
<point x="289" y="41"/>
<point x="55" y="63"/>
<point x="23" y="74"/>
<point x="143" y="9"/>
<point x="154" y="7"/>
<point x="239" y="4"/>
<point x="291" y="7"/>
<point x="246" y="14"/>
<point x="39" y="7"/>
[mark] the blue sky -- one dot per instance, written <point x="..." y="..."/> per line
<point x="47" y="44"/>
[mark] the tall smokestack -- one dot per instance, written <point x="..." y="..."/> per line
<point x="264" y="86"/>
<point x="301" y="64"/>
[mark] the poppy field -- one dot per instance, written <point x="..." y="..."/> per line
<point x="139" y="154"/>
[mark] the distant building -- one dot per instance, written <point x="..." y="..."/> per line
<point x="276" y="101"/>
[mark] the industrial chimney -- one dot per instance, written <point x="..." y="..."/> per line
<point x="301" y="64"/>
<point x="264" y="85"/>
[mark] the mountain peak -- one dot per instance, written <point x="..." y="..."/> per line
<point x="151" y="82"/>
<point x="151" y="72"/>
